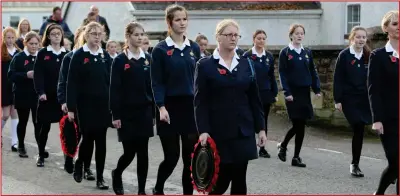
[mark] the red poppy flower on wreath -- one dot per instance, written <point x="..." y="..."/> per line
<point x="47" y="58"/>
<point x="353" y="61"/>
<point x="26" y="62"/>
<point x="393" y="58"/>
<point x="290" y="57"/>
<point x="127" y="66"/>
<point x="86" y="60"/>
<point x="170" y="52"/>
<point x="254" y="57"/>
<point x="222" y="71"/>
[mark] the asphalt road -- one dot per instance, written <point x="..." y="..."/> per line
<point x="327" y="157"/>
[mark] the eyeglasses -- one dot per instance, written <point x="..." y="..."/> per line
<point x="55" y="34"/>
<point x="237" y="36"/>
<point x="96" y="34"/>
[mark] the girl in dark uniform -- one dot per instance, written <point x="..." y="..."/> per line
<point x="264" y="66"/>
<point x="383" y="91"/>
<point x="61" y="95"/>
<point x="87" y="99"/>
<point x="23" y="28"/>
<point x="350" y="91"/>
<point x="47" y="68"/>
<point x="172" y="69"/>
<point x="8" y="50"/>
<point x="203" y="43"/>
<point x="297" y="74"/>
<point x="228" y="108"/>
<point x="25" y="97"/>
<point x="131" y="102"/>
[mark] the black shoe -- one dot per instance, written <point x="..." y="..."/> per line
<point x="40" y="161"/>
<point x="22" y="153"/>
<point x="281" y="152"/>
<point x="356" y="171"/>
<point x="14" y="148"/>
<point x="101" y="184"/>
<point x="117" y="183"/>
<point x="78" y="171"/>
<point x="157" y="192"/>
<point x="296" y="161"/>
<point x="88" y="175"/>
<point x="69" y="165"/>
<point x="46" y="154"/>
<point x="263" y="153"/>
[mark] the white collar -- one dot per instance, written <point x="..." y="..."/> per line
<point x="254" y="51"/>
<point x="291" y="46"/>
<point x="113" y="56"/>
<point x="171" y="42"/>
<point x="352" y="51"/>
<point x="73" y="50"/>
<point x="130" y="55"/>
<point x="12" y="51"/>
<point x="50" y="48"/>
<point x="389" y="48"/>
<point x="27" y="53"/>
<point x="86" y="49"/>
<point x="234" y="63"/>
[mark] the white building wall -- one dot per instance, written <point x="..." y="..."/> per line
<point x="373" y="12"/>
<point x="332" y="23"/>
<point x="35" y="18"/>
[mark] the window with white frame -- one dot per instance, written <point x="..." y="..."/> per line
<point x="14" y="21"/>
<point x="353" y="16"/>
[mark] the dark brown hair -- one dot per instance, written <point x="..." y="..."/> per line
<point x="30" y="35"/>
<point x="46" y="40"/>
<point x="56" y="9"/>
<point x="4" y="52"/>
<point x="366" y="49"/>
<point x="259" y="31"/>
<point x="129" y="29"/>
<point x="170" y="14"/>
<point x="293" y="27"/>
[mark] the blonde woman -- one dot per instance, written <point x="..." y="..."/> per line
<point x="24" y="27"/>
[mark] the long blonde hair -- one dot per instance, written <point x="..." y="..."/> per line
<point x="19" y="27"/>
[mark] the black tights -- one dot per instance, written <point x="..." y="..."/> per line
<point x="357" y="142"/>
<point x="298" y="129"/>
<point x="267" y="108"/>
<point x="89" y="138"/>
<point x="390" y="143"/>
<point x="43" y="135"/>
<point x="140" y="146"/>
<point x="170" y="145"/>
<point x="235" y="173"/>
<point x="23" y="115"/>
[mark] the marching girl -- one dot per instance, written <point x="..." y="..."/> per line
<point x="25" y="97"/>
<point x="61" y="95"/>
<point x="172" y="71"/>
<point x="228" y="109"/>
<point x="87" y="99"/>
<point x="264" y="67"/>
<point x="297" y="74"/>
<point x="131" y="102"/>
<point x="350" y="91"/>
<point x="203" y="43"/>
<point x="383" y="91"/>
<point x="46" y="69"/>
<point x="8" y="50"/>
<point x="23" y="28"/>
<point x="111" y="47"/>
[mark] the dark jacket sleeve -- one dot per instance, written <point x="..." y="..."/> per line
<point x="256" y="105"/>
<point x="62" y="80"/>
<point x="316" y="86"/>
<point x="13" y="72"/>
<point x="106" y="28"/>
<point x="201" y="97"/>
<point x="38" y="70"/>
<point x="339" y="78"/>
<point x="73" y="81"/>
<point x="374" y="87"/>
<point x="271" y="74"/>
<point x="43" y="28"/>
<point x="116" y="87"/>
<point x="282" y="64"/>
<point x="157" y="76"/>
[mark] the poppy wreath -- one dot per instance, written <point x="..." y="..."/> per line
<point x="205" y="166"/>
<point x="69" y="136"/>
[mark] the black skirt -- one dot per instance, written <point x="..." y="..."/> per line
<point x="49" y="111"/>
<point x="267" y="97"/>
<point x="136" y="121"/>
<point x="301" y="106"/>
<point x="25" y="100"/>
<point x="181" y="114"/>
<point x="93" y="114"/>
<point x="356" y="109"/>
<point x="237" y="150"/>
<point x="7" y="97"/>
